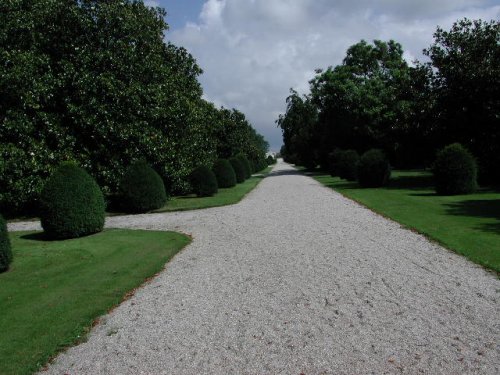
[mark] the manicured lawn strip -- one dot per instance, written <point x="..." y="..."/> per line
<point x="467" y="224"/>
<point x="223" y="198"/>
<point x="55" y="290"/>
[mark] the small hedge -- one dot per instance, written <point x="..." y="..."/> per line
<point x="239" y="169"/>
<point x="246" y="165"/>
<point x="374" y="169"/>
<point x="71" y="204"/>
<point x="224" y="173"/>
<point x="141" y="189"/>
<point x="455" y="171"/>
<point x="346" y="164"/>
<point x="5" y="249"/>
<point x="270" y="160"/>
<point x="203" y="181"/>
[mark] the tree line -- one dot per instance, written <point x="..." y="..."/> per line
<point x="94" y="82"/>
<point x="375" y="99"/>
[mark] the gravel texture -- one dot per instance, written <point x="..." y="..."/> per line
<point x="297" y="279"/>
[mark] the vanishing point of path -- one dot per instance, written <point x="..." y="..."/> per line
<point x="296" y="279"/>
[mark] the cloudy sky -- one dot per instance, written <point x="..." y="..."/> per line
<point x="254" y="51"/>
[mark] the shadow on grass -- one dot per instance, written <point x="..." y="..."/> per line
<point x="38" y="236"/>
<point x="420" y="181"/>
<point x="488" y="208"/>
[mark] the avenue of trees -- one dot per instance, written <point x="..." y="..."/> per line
<point x="375" y="99"/>
<point x="94" y="82"/>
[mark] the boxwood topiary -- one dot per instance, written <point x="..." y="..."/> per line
<point x="71" y="204"/>
<point x="455" y="171"/>
<point x="374" y="169"/>
<point x="5" y="249"/>
<point x="239" y="169"/>
<point x="224" y="173"/>
<point x="203" y="181"/>
<point x="141" y="189"/>
<point x="346" y="164"/>
<point x="246" y="165"/>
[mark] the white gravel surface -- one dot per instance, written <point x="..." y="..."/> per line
<point x="296" y="279"/>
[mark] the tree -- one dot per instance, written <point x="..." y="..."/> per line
<point x="466" y="61"/>
<point x="298" y="125"/>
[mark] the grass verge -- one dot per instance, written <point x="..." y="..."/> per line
<point x="466" y="224"/>
<point x="223" y="198"/>
<point x="55" y="290"/>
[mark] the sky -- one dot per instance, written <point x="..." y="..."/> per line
<point x="253" y="51"/>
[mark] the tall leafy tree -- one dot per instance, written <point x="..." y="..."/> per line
<point x="466" y="60"/>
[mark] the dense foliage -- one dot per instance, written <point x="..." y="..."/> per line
<point x="141" y="189"/>
<point x="71" y="204"/>
<point x="239" y="169"/>
<point x="375" y="99"/>
<point x="5" y="248"/>
<point x="224" y="173"/>
<point x="345" y="164"/>
<point x="95" y="82"/>
<point x="373" y="169"/>
<point x="246" y="166"/>
<point x="203" y="181"/>
<point x="455" y="171"/>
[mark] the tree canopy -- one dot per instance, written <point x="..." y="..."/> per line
<point x="375" y="99"/>
<point x="95" y="82"/>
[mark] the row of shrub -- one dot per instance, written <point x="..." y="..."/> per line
<point x="372" y="169"/>
<point x="455" y="169"/>
<point x="72" y="203"/>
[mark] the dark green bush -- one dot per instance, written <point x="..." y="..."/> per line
<point x="455" y="171"/>
<point x="270" y="160"/>
<point x="239" y="169"/>
<point x="246" y="165"/>
<point x="203" y="181"/>
<point x="141" y="189"/>
<point x="5" y="249"/>
<point x="71" y="204"/>
<point x="374" y="169"/>
<point x="224" y="173"/>
<point x="346" y="164"/>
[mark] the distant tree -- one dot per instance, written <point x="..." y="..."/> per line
<point x="298" y="125"/>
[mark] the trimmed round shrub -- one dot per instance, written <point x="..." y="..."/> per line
<point x="141" y="189"/>
<point x="5" y="249"/>
<point x="71" y="204"/>
<point x="346" y="164"/>
<point x="203" y="181"/>
<point x="239" y="169"/>
<point x="224" y="173"/>
<point x="455" y="171"/>
<point x="270" y="160"/>
<point x="374" y="169"/>
<point x="246" y="165"/>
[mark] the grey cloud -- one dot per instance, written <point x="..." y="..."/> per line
<point x="253" y="51"/>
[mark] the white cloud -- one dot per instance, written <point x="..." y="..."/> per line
<point x="152" y="3"/>
<point x="253" y="51"/>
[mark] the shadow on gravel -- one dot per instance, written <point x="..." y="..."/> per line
<point x="290" y="172"/>
<point x="487" y="208"/>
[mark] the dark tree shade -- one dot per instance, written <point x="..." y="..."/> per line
<point x="141" y="189"/>
<point x="71" y="204"/>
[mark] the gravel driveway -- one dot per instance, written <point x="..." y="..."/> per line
<point x="296" y="279"/>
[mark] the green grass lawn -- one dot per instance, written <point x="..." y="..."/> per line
<point x="467" y="224"/>
<point x="55" y="290"/>
<point x="222" y="198"/>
